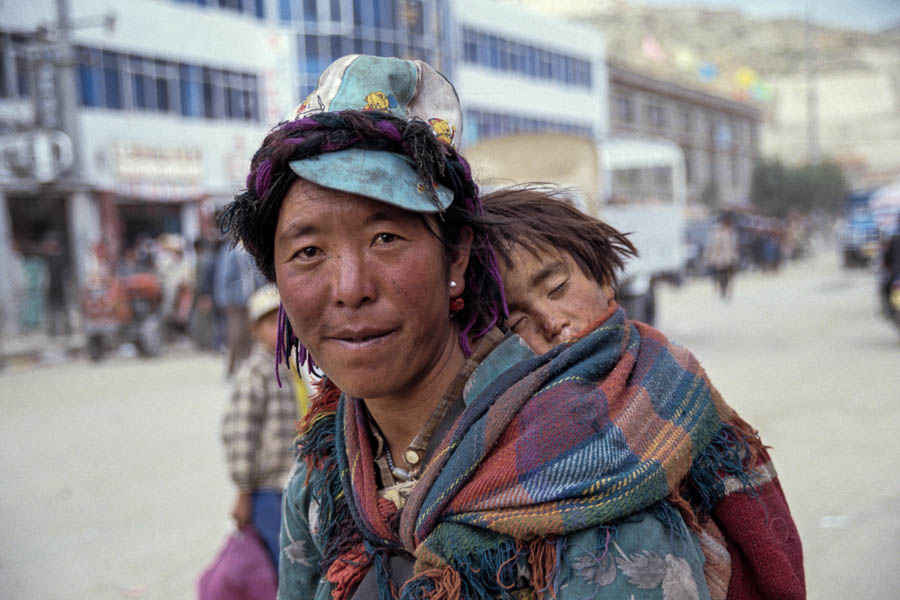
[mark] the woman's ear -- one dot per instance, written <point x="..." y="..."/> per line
<point x="460" y="262"/>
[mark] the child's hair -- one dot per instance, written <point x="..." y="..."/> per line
<point x="540" y="217"/>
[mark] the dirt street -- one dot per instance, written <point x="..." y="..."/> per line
<point x="113" y="484"/>
<point x="805" y="357"/>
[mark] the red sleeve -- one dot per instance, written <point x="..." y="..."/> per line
<point x="766" y="555"/>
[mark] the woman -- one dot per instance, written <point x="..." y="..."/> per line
<point x="433" y="463"/>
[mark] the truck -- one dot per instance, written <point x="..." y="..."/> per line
<point x="636" y="185"/>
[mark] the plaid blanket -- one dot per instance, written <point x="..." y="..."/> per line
<point x="619" y="422"/>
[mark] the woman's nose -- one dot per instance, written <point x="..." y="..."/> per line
<point x="354" y="285"/>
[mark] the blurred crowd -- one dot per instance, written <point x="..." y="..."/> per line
<point x="762" y="243"/>
<point x="195" y="293"/>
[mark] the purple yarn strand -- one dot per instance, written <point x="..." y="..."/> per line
<point x="263" y="173"/>
<point x="279" y="341"/>
<point x="389" y="129"/>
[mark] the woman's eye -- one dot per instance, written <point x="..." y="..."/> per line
<point x="308" y="252"/>
<point x="386" y="238"/>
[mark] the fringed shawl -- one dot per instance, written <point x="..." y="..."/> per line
<point x="581" y="437"/>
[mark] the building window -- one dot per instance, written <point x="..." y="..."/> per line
<point x="5" y="55"/>
<point x="285" y="10"/>
<point x="688" y="166"/>
<point x="191" y="86"/>
<point x="250" y="7"/>
<point x="684" y="118"/>
<point x="118" y="81"/>
<point x="504" y="54"/>
<point x="90" y="77"/>
<point x="310" y="11"/>
<point x="625" y="109"/>
<point x="486" y="124"/>
<point x="656" y="115"/>
<point x="144" y="82"/>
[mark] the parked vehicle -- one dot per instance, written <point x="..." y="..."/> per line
<point x="635" y="185"/>
<point x="122" y="310"/>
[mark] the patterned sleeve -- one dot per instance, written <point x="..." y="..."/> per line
<point x="241" y="428"/>
<point x="298" y="569"/>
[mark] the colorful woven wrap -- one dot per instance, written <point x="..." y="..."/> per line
<point x="582" y="437"/>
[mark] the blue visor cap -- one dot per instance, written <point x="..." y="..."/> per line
<point x="376" y="174"/>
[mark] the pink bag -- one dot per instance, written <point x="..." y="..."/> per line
<point x="241" y="571"/>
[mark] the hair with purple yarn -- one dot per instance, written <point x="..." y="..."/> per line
<point x="253" y="215"/>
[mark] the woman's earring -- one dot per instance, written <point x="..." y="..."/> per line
<point x="453" y="284"/>
<point x="456" y="305"/>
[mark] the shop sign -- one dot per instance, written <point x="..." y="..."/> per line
<point x="47" y="102"/>
<point x="157" y="164"/>
<point x="43" y="155"/>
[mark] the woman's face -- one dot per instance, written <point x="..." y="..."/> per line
<point x="550" y="299"/>
<point x="366" y="287"/>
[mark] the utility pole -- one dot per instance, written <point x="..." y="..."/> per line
<point x="813" y="151"/>
<point x="65" y="57"/>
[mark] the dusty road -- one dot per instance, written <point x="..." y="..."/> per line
<point x="112" y="482"/>
<point x="805" y="357"/>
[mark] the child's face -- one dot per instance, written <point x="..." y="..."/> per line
<point x="265" y="330"/>
<point x="550" y="298"/>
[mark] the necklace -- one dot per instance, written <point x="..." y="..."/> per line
<point x="397" y="472"/>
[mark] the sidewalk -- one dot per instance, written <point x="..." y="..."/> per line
<point x="40" y="348"/>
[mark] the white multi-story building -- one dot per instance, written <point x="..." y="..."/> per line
<point x="147" y="126"/>
<point x="518" y="72"/>
<point x="151" y="108"/>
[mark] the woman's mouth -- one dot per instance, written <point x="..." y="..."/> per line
<point x="362" y="340"/>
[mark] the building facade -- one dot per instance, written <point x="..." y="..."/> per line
<point x="518" y="72"/>
<point x="124" y="121"/>
<point x="719" y="136"/>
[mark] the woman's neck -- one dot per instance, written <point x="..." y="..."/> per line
<point x="400" y="417"/>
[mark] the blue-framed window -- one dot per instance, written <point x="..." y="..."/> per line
<point x="255" y="8"/>
<point x="310" y="11"/>
<point x="487" y="124"/>
<point x="504" y="54"/>
<point x="379" y="27"/>
<point x="191" y="87"/>
<point x="285" y="11"/>
<point x="127" y="82"/>
<point x="90" y="77"/>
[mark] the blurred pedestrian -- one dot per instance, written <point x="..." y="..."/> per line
<point x="890" y="264"/>
<point x="203" y="313"/>
<point x="57" y="275"/>
<point x="177" y="281"/>
<point x="235" y="278"/>
<point x="35" y="300"/>
<point x="722" y="254"/>
<point x="259" y="425"/>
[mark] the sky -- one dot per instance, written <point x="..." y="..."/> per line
<point x="868" y="15"/>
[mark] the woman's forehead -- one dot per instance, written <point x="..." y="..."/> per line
<point x="308" y="205"/>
